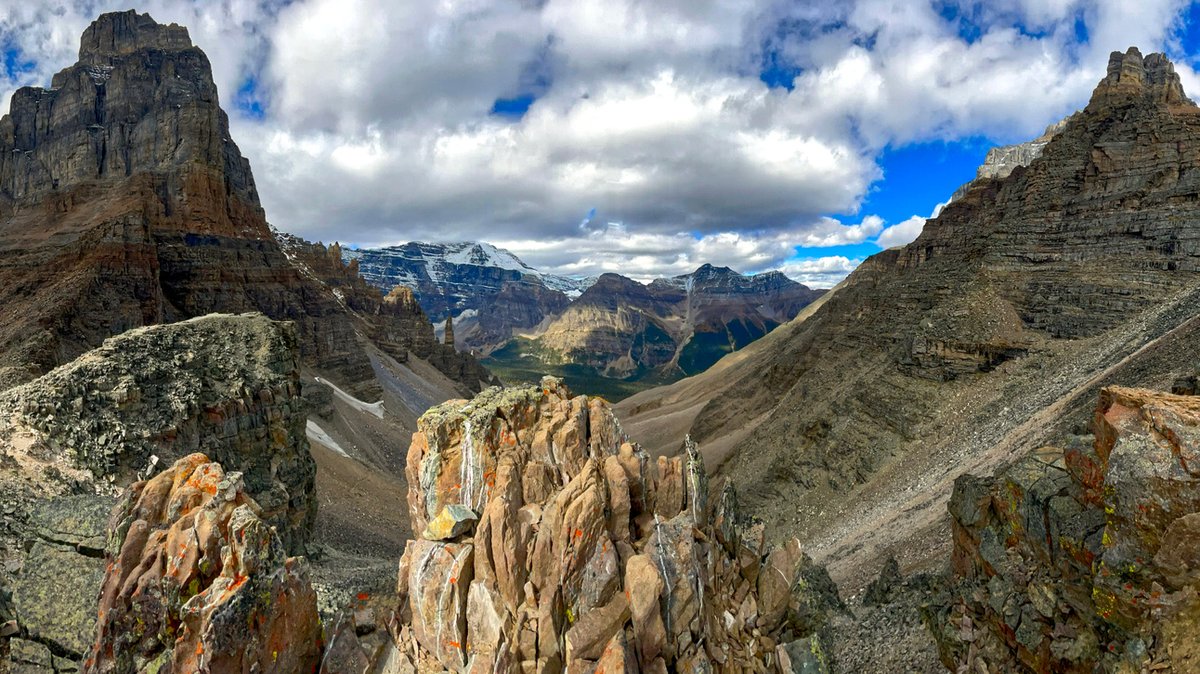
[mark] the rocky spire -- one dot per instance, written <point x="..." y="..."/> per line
<point x="449" y="339"/>
<point x="121" y="33"/>
<point x="1130" y="75"/>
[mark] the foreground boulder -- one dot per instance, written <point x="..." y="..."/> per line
<point x="551" y="543"/>
<point x="70" y="441"/>
<point x="1084" y="558"/>
<point x="196" y="581"/>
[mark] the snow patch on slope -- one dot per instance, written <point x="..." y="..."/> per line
<point x="318" y="435"/>
<point x="375" y="409"/>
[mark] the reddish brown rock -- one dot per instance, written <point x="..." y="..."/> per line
<point x="568" y="569"/>
<point x="196" y="582"/>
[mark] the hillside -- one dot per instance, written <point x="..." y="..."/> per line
<point x="987" y="336"/>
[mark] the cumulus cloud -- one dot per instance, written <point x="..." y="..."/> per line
<point x="821" y="272"/>
<point x="378" y="125"/>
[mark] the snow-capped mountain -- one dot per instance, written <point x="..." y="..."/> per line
<point x="487" y="290"/>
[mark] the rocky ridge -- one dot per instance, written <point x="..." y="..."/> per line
<point x="549" y="542"/>
<point x="974" y="343"/>
<point x="394" y="321"/>
<point x="1082" y="558"/>
<point x="487" y="290"/>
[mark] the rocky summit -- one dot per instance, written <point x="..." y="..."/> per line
<point x="124" y="201"/>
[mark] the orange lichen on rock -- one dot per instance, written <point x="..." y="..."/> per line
<point x="199" y="582"/>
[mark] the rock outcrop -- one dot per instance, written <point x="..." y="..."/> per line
<point x="973" y="344"/>
<point x="552" y="544"/>
<point x="197" y="582"/>
<point x="228" y="386"/>
<point x="224" y="385"/>
<point x="1083" y="558"/>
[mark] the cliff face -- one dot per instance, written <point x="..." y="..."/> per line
<point x="1027" y="292"/>
<point x="124" y="202"/>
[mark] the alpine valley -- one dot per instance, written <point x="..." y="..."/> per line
<point x="608" y="335"/>
<point x="227" y="449"/>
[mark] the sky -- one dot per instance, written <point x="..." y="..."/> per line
<point x="645" y="137"/>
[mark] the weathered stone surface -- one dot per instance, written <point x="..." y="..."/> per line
<point x="586" y="577"/>
<point x="197" y="582"/>
<point x="56" y="596"/>
<point x="438" y="582"/>
<point x="1062" y="568"/>
<point x="452" y="522"/>
<point x="227" y="386"/>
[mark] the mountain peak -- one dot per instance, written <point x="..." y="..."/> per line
<point x="118" y="34"/>
<point x="1132" y="75"/>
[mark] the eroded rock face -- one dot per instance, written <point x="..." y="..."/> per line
<point x="196" y="581"/>
<point x="585" y="555"/>
<point x="70" y="440"/>
<point x="1083" y="558"/>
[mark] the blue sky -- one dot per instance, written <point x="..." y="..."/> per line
<point x="764" y="134"/>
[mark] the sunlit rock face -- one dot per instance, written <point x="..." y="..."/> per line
<point x="552" y="543"/>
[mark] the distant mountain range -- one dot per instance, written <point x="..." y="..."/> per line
<point x="609" y="335"/>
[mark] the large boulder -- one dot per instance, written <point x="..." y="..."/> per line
<point x="551" y="543"/>
<point x="196" y="581"/>
<point x="1083" y="558"/>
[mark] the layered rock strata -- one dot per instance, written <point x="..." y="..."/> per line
<point x="197" y="582"/>
<point x="1083" y="558"/>
<point x="125" y="202"/>
<point x="552" y="544"/>
<point x="957" y="351"/>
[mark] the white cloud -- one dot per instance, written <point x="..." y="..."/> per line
<point x="821" y="272"/>
<point x="900" y="234"/>
<point x="650" y="112"/>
